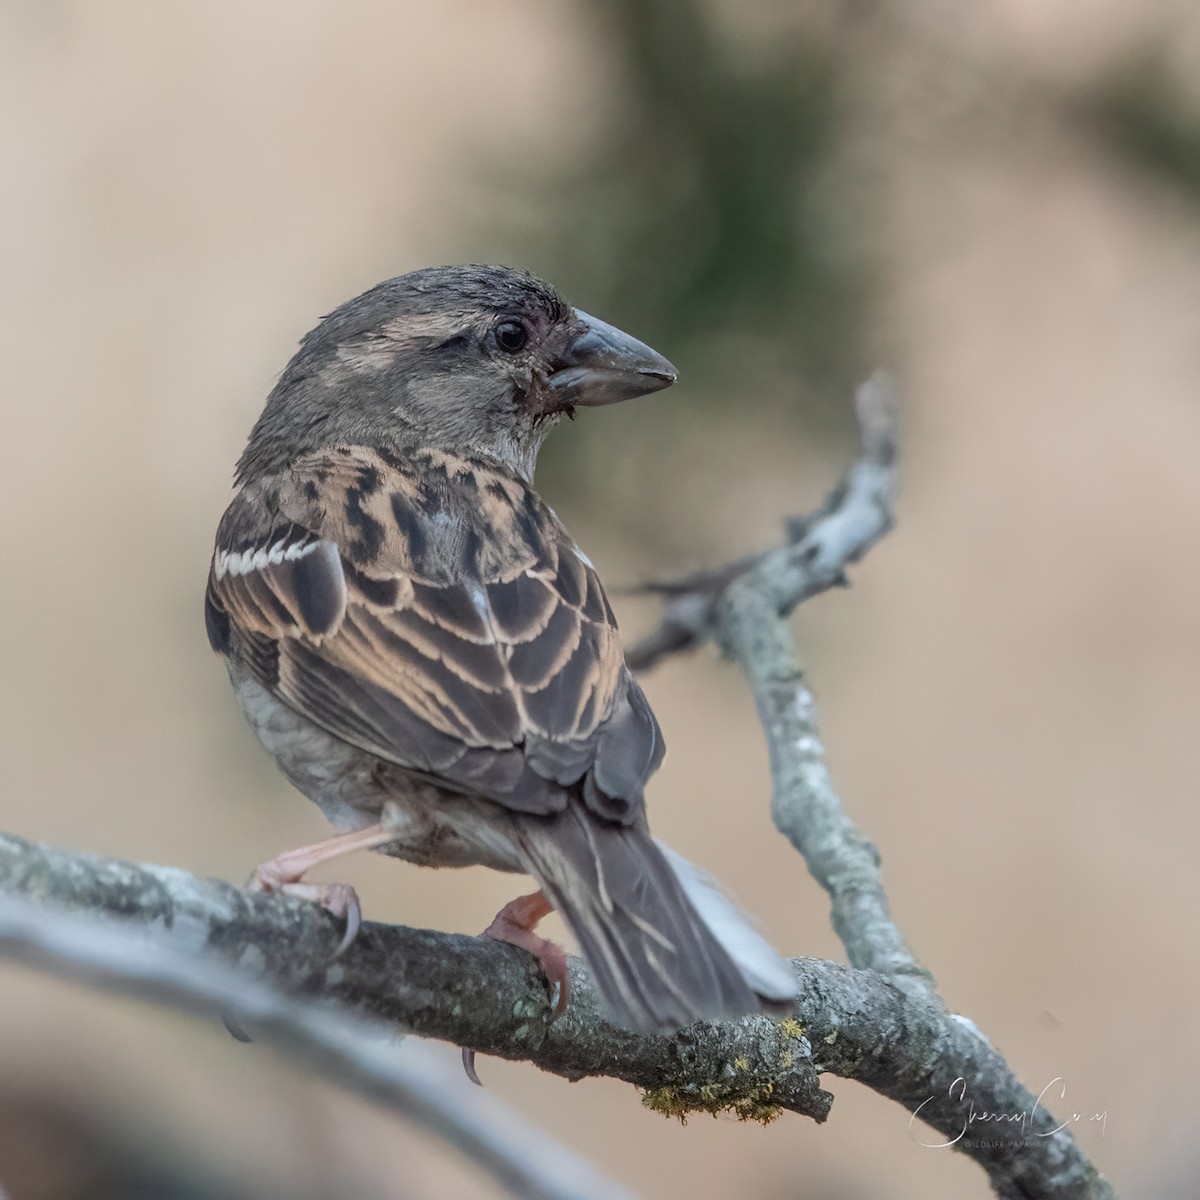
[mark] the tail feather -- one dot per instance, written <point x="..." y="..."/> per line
<point x="772" y="979"/>
<point x="663" y="946"/>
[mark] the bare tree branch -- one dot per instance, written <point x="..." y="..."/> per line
<point x="469" y="991"/>
<point x="492" y="996"/>
<point x="879" y="1021"/>
<point x="751" y="627"/>
<point x="744" y="608"/>
<point x="351" y="1050"/>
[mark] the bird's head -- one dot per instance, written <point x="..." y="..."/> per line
<point x="471" y="359"/>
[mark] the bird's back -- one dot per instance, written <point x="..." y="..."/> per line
<point x="431" y="610"/>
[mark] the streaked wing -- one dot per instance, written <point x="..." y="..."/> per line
<point x="432" y="611"/>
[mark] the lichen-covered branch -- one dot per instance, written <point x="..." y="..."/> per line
<point x="469" y="991"/>
<point x="492" y="996"/>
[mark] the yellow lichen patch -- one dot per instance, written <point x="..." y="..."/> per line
<point x="791" y="1027"/>
<point x="669" y="1101"/>
<point x="751" y="1104"/>
<point x="742" y="1064"/>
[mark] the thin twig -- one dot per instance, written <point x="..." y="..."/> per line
<point x="819" y="547"/>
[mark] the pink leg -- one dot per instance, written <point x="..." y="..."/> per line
<point x="516" y="923"/>
<point x="285" y="872"/>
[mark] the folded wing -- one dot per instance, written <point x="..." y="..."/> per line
<point x="433" y="612"/>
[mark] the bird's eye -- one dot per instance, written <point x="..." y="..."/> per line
<point x="510" y="336"/>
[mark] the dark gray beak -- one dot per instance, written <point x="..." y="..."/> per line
<point x="602" y="365"/>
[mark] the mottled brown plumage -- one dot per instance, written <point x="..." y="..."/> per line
<point x="442" y="607"/>
<point x="421" y="645"/>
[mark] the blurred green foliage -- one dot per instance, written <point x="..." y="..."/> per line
<point x="699" y="215"/>
<point x="1147" y="116"/>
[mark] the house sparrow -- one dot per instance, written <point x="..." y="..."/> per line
<point x="427" y="654"/>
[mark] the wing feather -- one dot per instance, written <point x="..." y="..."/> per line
<point x="432" y="611"/>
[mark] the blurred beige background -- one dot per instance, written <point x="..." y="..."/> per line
<point x="1009" y="694"/>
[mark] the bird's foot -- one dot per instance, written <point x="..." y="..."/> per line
<point x="516" y="923"/>
<point x="340" y="899"/>
<point x="285" y="871"/>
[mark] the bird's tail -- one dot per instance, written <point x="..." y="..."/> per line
<point x="664" y="946"/>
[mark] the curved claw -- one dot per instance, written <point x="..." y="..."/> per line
<point x="339" y="899"/>
<point x="562" y="979"/>
<point x="468" y="1062"/>
<point x="233" y="1028"/>
<point x="343" y="901"/>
